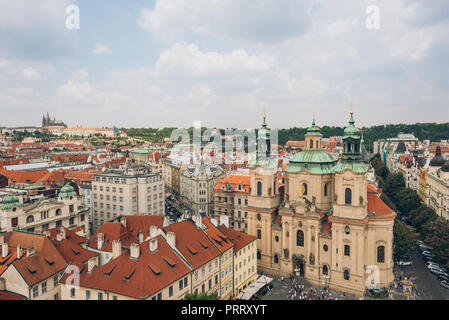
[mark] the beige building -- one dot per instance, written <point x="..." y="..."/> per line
<point x="231" y="200"/>
<point x="437" y="185"/>
<point x="129" y="192"/>
<point x="37" y="216"/>
<point x="245" y="261"/>
<point x="197" y="187"/>
<point x="331" y="227"/>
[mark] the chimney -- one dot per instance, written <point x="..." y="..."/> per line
<point x="140" y="236"/>
<point x="123" y="220"/>
<point x="19" y="251"/>
<point x="134" y="251"/>
<point x="100" y="240"/>
<point x="116" y="249"/>
<point x="47" y="233"/>
<point x="224" y="220"/>
<point x="63" y="232"/>
<point x="153" y="231"/>
<point x="58" y="237"/>
<point x="91" y="264"/>
<point x="4" y="250"/>
<point x="153" y="245"/>
<point x="171" y="239"/>
<point x="31" y="252"/>
<point x="2" y="238"/>
<point x="2" y="284"/>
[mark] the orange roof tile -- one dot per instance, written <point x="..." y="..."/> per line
<point x="239" y="239"/>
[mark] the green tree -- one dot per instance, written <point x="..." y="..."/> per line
<point x="202" y="296"/>
<point x="421" y="215"/>
<point x="393" y="185"/>
<point x="405" y="239"/>
<point x="436" y="234"/>
<point x="407" y="200"/>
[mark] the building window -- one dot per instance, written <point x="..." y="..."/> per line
<point x="300" y="238"/>
<point x="30" y="219"/>
<point x="325" y="248"/>
<point x="259" y="234"/>
<point x="346" y="274"/>
<point x="87" y="295"/>
<point x="258" y="255"/>
<point x="347" y="230"/>
<point x="325" y="189"/>
<point x="35" y="291"/>
<point x="100" y="296"/>
<point x="348" y="196"/>
<point x="276" y="238"/>
<point x="55" y="281"/>
<point x="14" y="222"/>
<point x="325" y="270"/>
<point x="380" y="254"/>
<point x="170" y="291"/>
<point x="72" y="292"/>
<point x="347" y="250"/>
<point x="71" y="221"/>
<point x="276" y="258"/>
<point x="259" y="188"/>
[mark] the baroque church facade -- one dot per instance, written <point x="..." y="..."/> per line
<point x="329" y="226"/>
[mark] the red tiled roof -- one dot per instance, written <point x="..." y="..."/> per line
<point x="134" y="224"/>
<point x="16" y="176"/>
<point x="137" y="278"/>
<point x="240" y="239"/>
<point x="188" y="238"/>
<point x="112" y="231"/>
<point x="6" y="295"/>
<point x="234" y="180"/>
<point x="46" y="262"/>
<point x="375" y="204"/>
<point x="220" y="240"/>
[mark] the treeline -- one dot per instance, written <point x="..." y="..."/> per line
<point x="423" y="131"/>
<point x="427" y="225"/>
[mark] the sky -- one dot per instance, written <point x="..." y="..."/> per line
<point x="165" y="63"/>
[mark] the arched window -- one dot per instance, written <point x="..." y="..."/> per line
<point x="325" y="189"/>
<point x="311" y="144"/>
<point x="317" y="144"/>
<point x="325" y="270"/>
<point x="258" y="255"/>
<point x="58" y="212"/>
<point x="346" y="274"/>
<point x="304" y="189"/>
<point x="276" y="258"/>
<point x="259" y="188"/>
<point x="300" y="238"/>
<point x="274" y="187"/>
<point x="380" y="254"/>
<point x="348" y="196"/>
<point x="30" y="219"/>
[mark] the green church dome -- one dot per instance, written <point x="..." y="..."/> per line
<point x="351" y="129"/>
<point x="312" y="161"/>
<point x="67" y="191"/>
<point x="9" y="202"/>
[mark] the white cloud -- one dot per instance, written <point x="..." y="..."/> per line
<point x="101" y="49"/>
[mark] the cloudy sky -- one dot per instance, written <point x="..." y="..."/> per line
<point x="171" y="62"/>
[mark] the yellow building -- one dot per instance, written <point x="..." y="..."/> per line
<point x="245" y="261"/>
<point x="330" y="227"/>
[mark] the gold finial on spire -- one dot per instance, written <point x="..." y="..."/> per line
<point x="351" y="110"/>
<point x="264" y="113"/>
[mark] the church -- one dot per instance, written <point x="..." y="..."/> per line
<point x="329" y="226"/>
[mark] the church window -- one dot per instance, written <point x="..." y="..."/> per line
<point x="347" y="230"/>
<point x="276" y="258"/>
<point x="304" y="189"/>
<point x="325" y="247"/>
<point x="258" y="255"/>
<point x="317" y="144"/>
<point x="276" y="238"/>
<point x="259" y="188"/>
<point x="259" y="234"/>
<point x="347" y="250"/>
<point x="30" y="219"/>
<point x="300" y="238"/>
<point x="325" y="270"/>
<point x="346" y="274"/>
<point x="380" y="254"/>
<point x="325" y="189"/>
<point x="274" y="187"/>
<point x="348" y="196"/>
<point x="311" y="144"/>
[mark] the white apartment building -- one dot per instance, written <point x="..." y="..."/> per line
<point x="126" y="192"/>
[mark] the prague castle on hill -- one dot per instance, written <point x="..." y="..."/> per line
<point x="330" y="226"/>
<point x="47" y="122"/>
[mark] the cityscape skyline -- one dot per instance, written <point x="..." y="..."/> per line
<point x="147" y="64"/>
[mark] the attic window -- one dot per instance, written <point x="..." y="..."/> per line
<point x="128" y="277"/>
<point x="192" y="251"/>
<point x="75" y="252"/>
<point x="110" y="271"/>
<point x="155" y="269"/>
<point x="204" y="245"/>
<point x="170" y="262"/>
<point x="32" y="271"/>
<point x="50" y="263"/>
